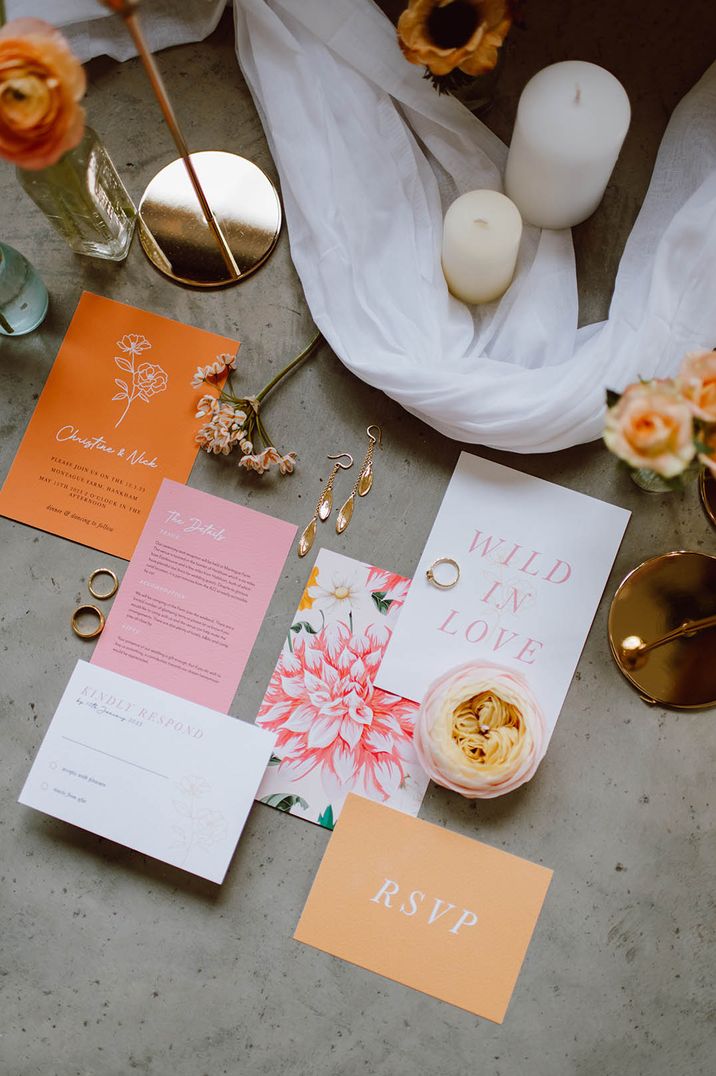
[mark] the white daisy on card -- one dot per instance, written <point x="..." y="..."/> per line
<point x="341" y="596"/>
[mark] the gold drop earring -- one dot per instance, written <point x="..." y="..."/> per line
<point x="364" y="481"/>
<point x="324" y="504"/>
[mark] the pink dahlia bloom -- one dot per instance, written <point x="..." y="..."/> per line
<point x="323" y="704"/>
<point x="394" y="586"/>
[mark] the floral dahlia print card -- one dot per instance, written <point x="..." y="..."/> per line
<point x="336" y="731"/>
<point x="115" y="417"/>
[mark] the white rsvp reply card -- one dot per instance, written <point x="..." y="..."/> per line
<point x="534" y="560"/>
<point x="156" y="773"/>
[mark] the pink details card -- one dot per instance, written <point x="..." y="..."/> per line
<point x="194" y="595"/>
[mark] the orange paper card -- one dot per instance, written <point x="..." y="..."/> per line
<point x="115" y="417"/>
<point x="423" y="906"/>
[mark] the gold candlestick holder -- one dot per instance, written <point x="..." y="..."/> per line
<point x="662" y="630"/>
<point x="208" y="219"/>
<point x="707" y="492"/>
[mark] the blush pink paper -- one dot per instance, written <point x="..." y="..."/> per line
<point x="194" y="595"/>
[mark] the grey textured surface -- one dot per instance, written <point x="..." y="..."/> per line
<point x="111" y="963"/>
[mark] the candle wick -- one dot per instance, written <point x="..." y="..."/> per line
<point x="578" y="94"/>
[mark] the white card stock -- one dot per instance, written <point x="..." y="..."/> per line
<point x="149" y="770"/>
<point x="534" y="559"/>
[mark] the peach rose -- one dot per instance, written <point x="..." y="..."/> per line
<point x="480" y="731"/>
<point x="697" y="384"/>
<point x="651" y="426"/>
<point x="41" y="83"/>
<point x="463" y="33"/>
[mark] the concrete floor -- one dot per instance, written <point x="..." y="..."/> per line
<point x="111" y="963"/>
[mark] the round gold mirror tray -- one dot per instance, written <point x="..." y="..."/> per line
<point x="662" y="630"/>
<point x="176" y="237"/>
<point x="707" y="489"/>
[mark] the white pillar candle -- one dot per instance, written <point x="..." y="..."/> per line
<point x="481" y="237"/>
<point x="571" y="121"/>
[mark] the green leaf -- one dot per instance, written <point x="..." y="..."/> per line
<point x="613" y="397"/>
<point x="382" y="603"/>
<point x="274" y="760"/>
<point x="326" y="819"/>
<point x="305" y="625"/>
<point x="284" y="801"/>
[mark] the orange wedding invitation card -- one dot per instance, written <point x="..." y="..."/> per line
<point x="116" y="416"/>
<point x="426" y="907"/>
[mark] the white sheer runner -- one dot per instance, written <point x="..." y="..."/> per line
<point x="370" y="156"/>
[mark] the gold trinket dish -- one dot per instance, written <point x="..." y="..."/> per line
<point x="662" y="630"/>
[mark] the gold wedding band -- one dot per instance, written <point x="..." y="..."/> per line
<point x="431" y="577"/>
<point x="75" y="621"/>
<point x="104" y="595"/>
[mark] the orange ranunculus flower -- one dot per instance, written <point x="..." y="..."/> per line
<point x="697" y="383"/>
<point x="449" y="34"/>
<point x="652" y="427"/>
<point x="41" y="83"/>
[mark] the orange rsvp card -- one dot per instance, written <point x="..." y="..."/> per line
<point x="424" y="906"/>
<point x="116" y="416"/>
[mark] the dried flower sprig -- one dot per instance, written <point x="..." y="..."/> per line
<point x="233" y="421"/>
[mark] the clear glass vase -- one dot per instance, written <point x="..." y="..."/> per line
<point x="23" y="296"/>
<point x="85" y="200"/>
<point x="477" y="93"/>
<point x="650" y="481"/>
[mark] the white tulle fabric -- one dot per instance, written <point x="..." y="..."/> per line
<point x="92" y="30"/>
<point x="370" y="157"/>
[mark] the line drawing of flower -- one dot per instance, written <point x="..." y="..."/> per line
<point x="148" y="378"/>
<point x="134" y="343"/>
<point x="203" y="826"/>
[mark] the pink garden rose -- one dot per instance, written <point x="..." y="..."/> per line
<point x="480" y="731"/>
<point x="697" y="384"/>
<point x="652" y="427"/>
<point x="329" y="715"/>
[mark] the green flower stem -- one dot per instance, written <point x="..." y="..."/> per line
<point x="2" y="13"/>
<point x="241" y="401"/>
<point x="287" y="369"/>
<point x="253" y="429"/>
<point x="268" y="443"/>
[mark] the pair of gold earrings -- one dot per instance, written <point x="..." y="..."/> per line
<point x="324" y="504"/>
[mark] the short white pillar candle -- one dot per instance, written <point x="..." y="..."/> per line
<point x="481" y="237"/>
<point x="571" y="121"/>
